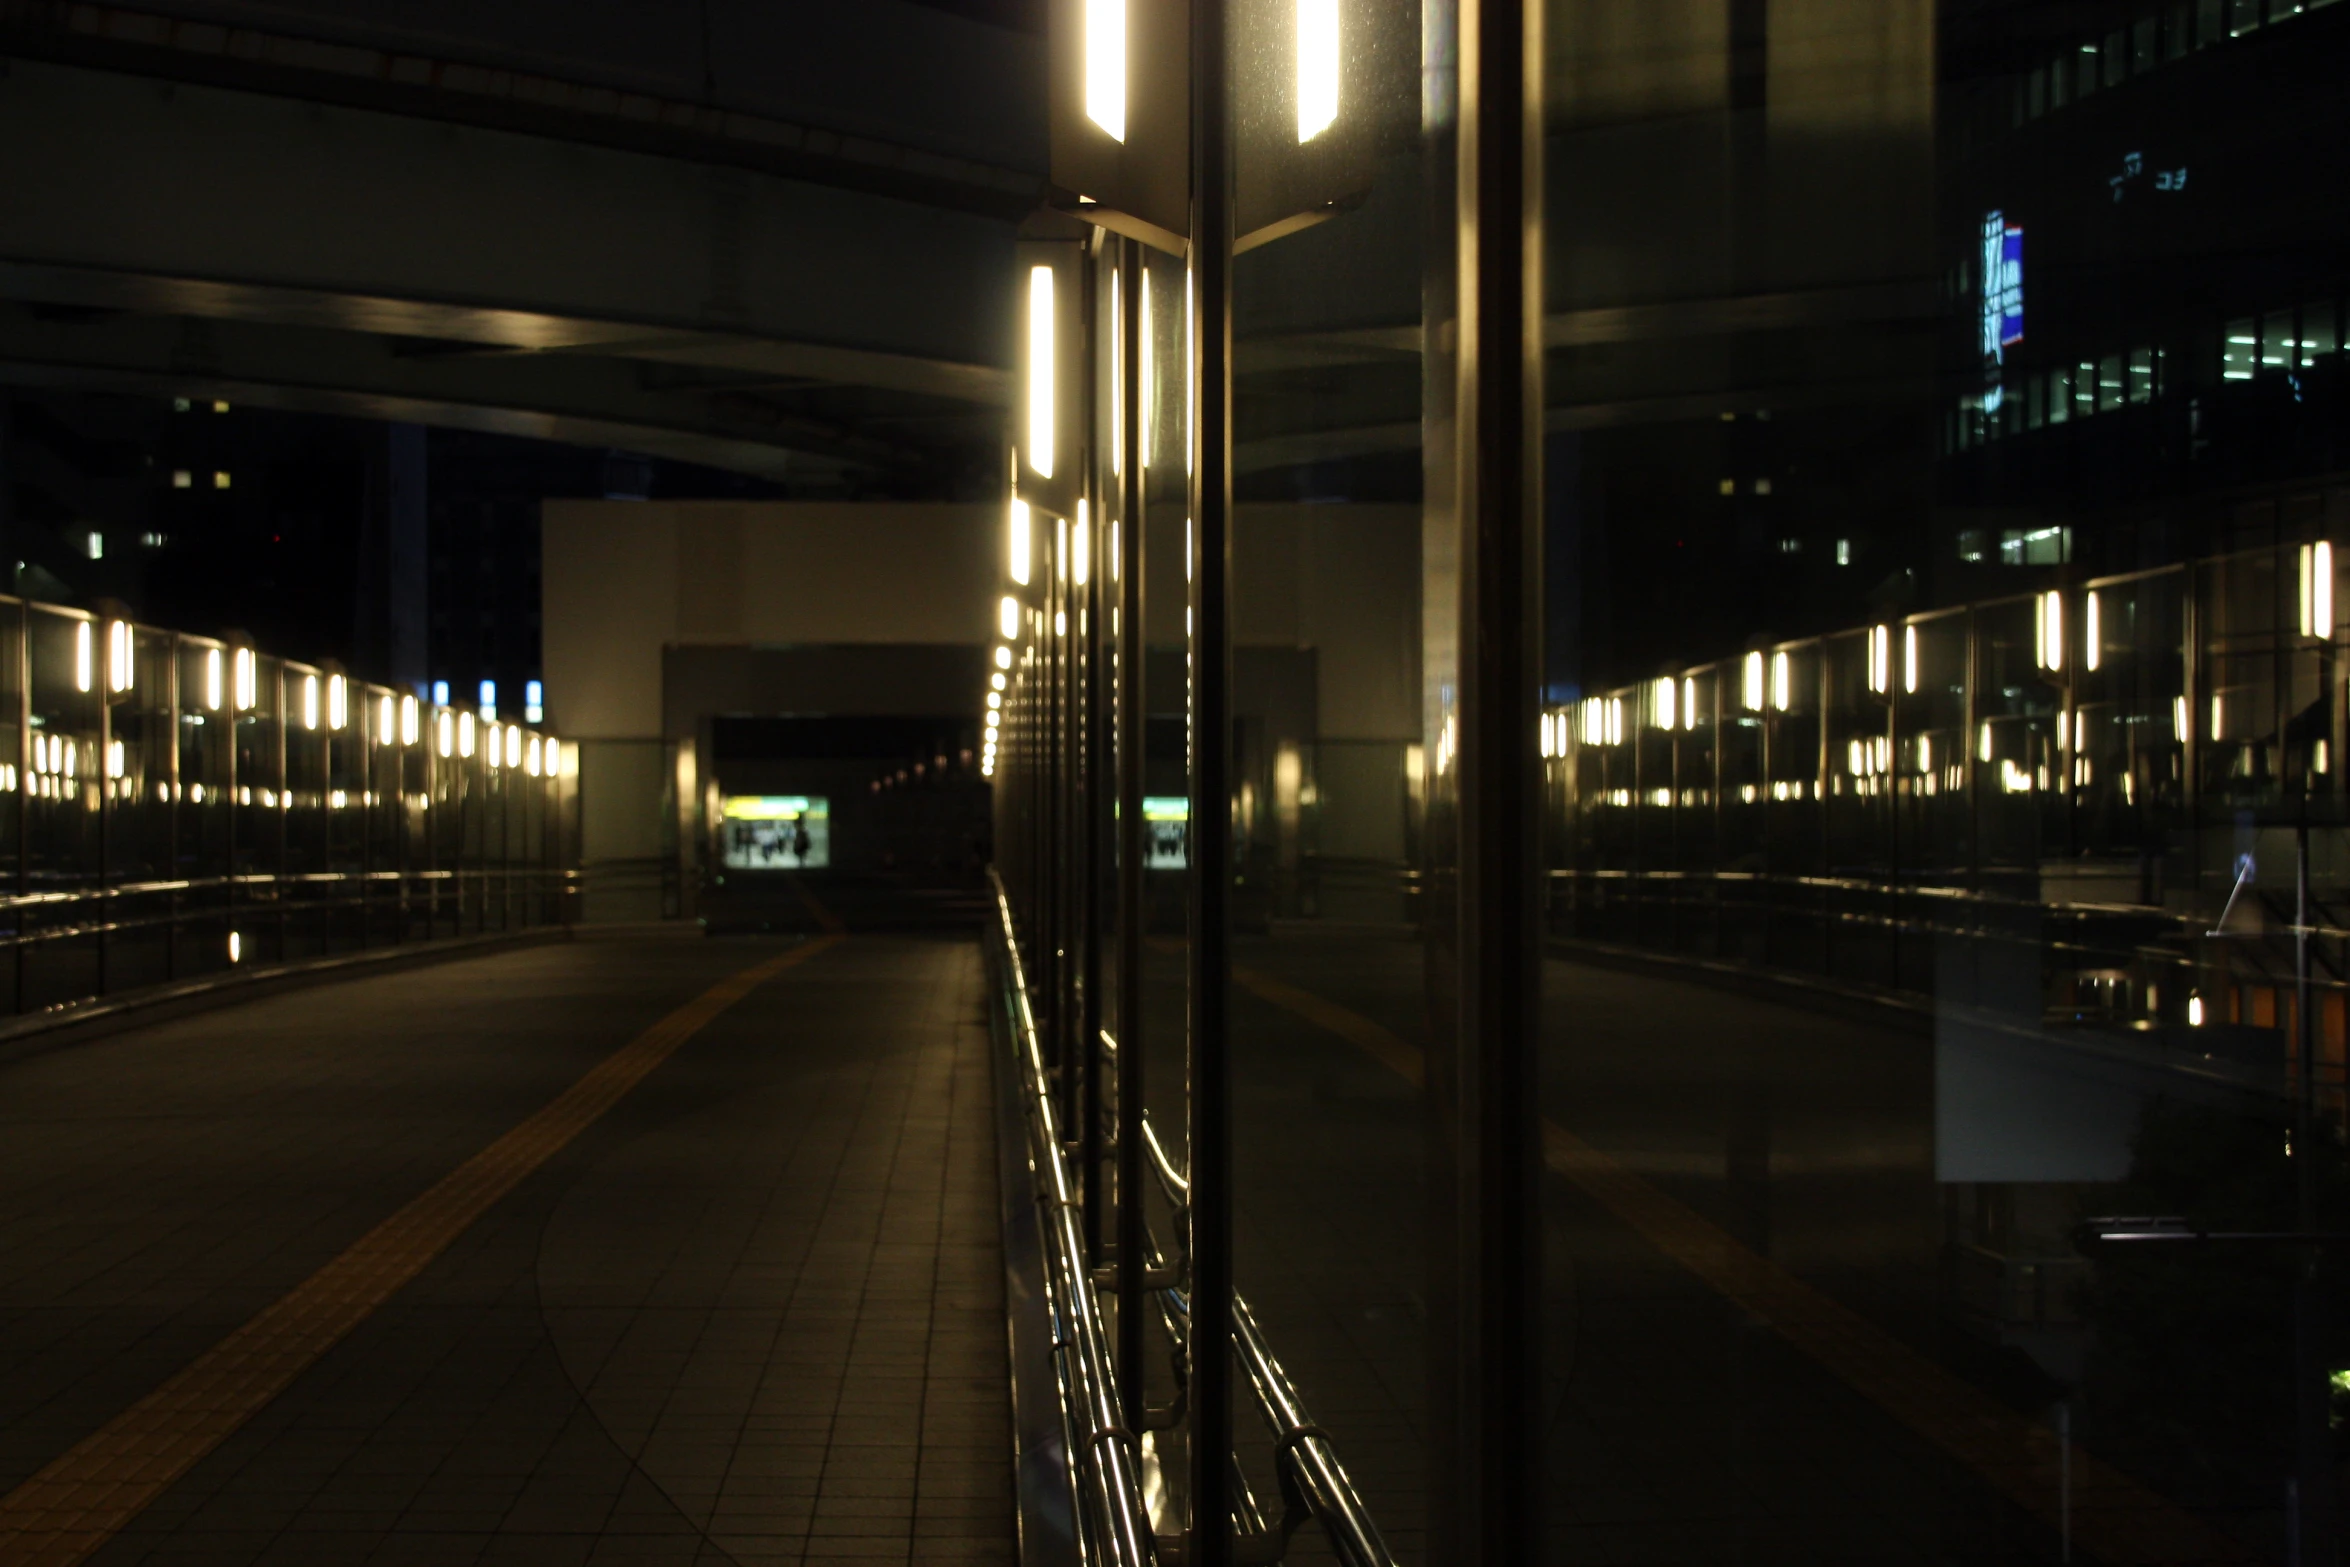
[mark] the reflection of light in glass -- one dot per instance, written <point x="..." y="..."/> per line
<point x="1909" y="658"/>
<point x="2194" y="1011"/>
<point x="1317" y="67"/>
<point x="2317" y="589"/>
<point x="1750" y="686"/>
<point x="121" y="666"/>
<point x="212" y="679"/>
<point x="1880" y="659"/>
<point x="1040" y="371"/>
<point x="248" y="679"/>
<point x="2048" y="631"/>
<point x="81" y="655"/>
<point x="1008" y="617"/>
<point x="1019" y="537"/>
<point x="338" y="702"/>
<point x="236" y="947"/>
<point x="534" y="702"/>
<point x="310" y="701"/>
<point x="1081" y="548"/>
<point x="1105" y="66"/>
<point x="1782" y="681"/>
<point x="2091" y="653"/>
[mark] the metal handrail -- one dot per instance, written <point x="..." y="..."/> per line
<point x="1309" y="1461"/>
<point x="1106" y="1467"/>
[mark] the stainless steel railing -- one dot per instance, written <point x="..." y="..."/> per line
<point x="1312" y="1477"/>
<point x="1106" y="1467"/>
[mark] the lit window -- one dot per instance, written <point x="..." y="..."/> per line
<point x="2240" y="353"/>
<point x="94" y="544"/>
<point x="1843" y="552"/>
<point x="181" y="479"/>
<point x="2318" y="335"/>
<point x="220" y="479"/>
<point x="2278" y="345"/>
<point x="220" y="408"/>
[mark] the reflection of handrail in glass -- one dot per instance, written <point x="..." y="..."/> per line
<point x="1310" y="1471"/>
<point x="1105" y="1469"/>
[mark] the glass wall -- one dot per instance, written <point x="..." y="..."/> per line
<point x="1668" y="711"/>
<point x="177" y="805"/>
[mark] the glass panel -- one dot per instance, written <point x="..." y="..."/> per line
<point x="64" y="956"/>
<point x="2319" y="334"/>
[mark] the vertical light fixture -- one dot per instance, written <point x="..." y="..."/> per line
<point x="1880" y="659"/>
<point x="1019" y="536"/>
<point x="1148" y="414"/>
<point x="1663" y="703"/>
<point x="212" y="679"/>
<point x="465" y="734"/>
<point x="1782" y="682"/>
<point x="2317" y="590"/>
<point x="1081" y="548"/>
<point x="1008" y="617"/>
<point x="1909" y="658"/>
<point x="1040" y="371"/>
<point x="338" y="702"/>
<point x="385" y="732"/>
<point x="1105" y="66"/>
<point x="81" y="655"/>
<point x="248" y="680"/>
<point x="1317" y="67"/>
<point x="1117" y="383"/>
<point x="1751" y="686"/>
<point x="2049" y="629"/>
<point x="407" y="720"/>
<point x="310" y="701"/>
<point x="2090" y="653"/>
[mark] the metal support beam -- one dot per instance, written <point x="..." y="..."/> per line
<point x="1210" y="973"/>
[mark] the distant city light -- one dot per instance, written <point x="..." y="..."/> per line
<point x="534" y="702"/>
<point x="440" y="693"/>
<point x="489" y="699"/>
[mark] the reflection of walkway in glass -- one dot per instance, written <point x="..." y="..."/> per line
<point x="1678" y="1429"/>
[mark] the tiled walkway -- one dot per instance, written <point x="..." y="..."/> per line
<point x="751" y="1314"/>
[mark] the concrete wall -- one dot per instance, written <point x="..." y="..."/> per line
<point x="657" y="614"/>
<point x="625" y="579"/>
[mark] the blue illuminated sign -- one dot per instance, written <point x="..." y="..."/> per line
<point x="2003" y="286"/>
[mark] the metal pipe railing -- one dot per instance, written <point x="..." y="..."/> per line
<point x="1106" y="1468"/>
<point x="1310" y="1468"/>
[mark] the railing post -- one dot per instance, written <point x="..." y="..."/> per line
<point x="1210" y="872"/>
<point x="1132" y="656"/>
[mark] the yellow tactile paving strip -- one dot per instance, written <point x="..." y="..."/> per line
<point x="72" y="1507"/>
<point x="2113" y="1517"/>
